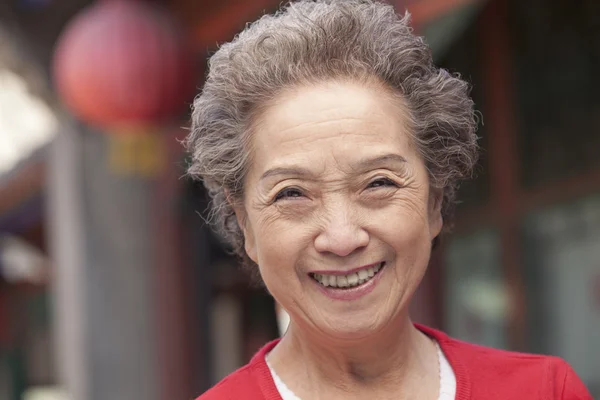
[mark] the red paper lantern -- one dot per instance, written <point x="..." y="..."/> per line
<point x="122" y="62"/>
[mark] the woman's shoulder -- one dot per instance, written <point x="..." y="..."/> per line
<point x="249" y="382"/>
<point x="545" y="377"/>
<point x="486" y="369"/>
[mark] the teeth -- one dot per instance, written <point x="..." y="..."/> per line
<point x="332" y="280"/>
<point x="324" y="280"/>
<point x="353" y="279"/>
<point x="342" y="281"/>
<point x="350" y="280"/>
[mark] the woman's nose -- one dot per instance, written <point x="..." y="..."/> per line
<point x="342" y="234"/>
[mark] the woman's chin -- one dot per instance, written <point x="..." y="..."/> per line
<point x="344" y="330"/>
<point x="342" y="324"/>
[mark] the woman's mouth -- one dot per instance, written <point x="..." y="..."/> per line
<point x="348" y="281"/>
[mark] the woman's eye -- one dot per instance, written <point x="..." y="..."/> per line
<point x="382" y="182"/>
<point x="288" y="193"/>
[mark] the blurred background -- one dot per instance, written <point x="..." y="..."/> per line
<point x="113" y="287"/>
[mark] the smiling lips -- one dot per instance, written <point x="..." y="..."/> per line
<point x="350" y="280"/>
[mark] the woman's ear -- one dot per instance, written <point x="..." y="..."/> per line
<point x="242" y="220"/>
<point x="436" y="222"/>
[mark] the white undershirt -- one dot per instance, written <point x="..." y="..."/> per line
<point x="447" y="380"/>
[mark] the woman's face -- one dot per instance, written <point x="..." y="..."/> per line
<point x="337" y="212"/>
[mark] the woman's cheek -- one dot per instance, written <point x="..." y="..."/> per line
<point x="276" y="243"/>
<point x="400" y="217"/>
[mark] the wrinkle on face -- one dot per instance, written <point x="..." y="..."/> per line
<point x="319" y="141"/>
<point x="335" y="182"/>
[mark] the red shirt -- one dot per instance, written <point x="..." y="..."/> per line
<point x="482" y="373"/>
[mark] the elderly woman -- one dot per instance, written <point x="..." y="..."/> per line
<point x="332" y="148"/>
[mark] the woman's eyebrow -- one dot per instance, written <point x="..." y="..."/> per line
<point x="389" y="160"/>
<point x="287" y="171"/>
<point x="393" y="160"/>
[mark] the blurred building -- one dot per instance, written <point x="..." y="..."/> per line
<point x="112" y="286"/>
<point x="521" y="270"/>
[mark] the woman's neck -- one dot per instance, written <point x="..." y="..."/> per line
<point x="398" y="362"/>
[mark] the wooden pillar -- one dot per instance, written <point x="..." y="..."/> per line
<point x="104" y="278"/>
<point x="67" y="251"/>
<point x="502" y="131"/>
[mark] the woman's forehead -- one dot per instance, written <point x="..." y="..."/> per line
<point x="327" y="101"/>
<point x="330" y="117"/>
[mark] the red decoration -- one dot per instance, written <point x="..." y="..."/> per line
<point x="123" y="62"/>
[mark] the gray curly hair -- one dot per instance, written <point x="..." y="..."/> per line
<point x="317" y="41"/>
